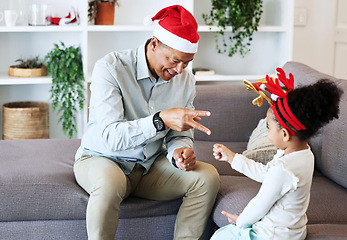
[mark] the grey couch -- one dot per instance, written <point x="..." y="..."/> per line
<point x="234" y="118"/>
<point x="39" y="197"/>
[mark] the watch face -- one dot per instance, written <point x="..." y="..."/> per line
<point x="159" y="125"/>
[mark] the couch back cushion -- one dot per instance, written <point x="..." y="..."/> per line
<point x="334" y="145"/>
<point x="233" y="116"/>
<point x="329" y="146"/>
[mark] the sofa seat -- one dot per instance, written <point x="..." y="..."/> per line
<point x="326" y="232"/>
<point x="38" y="191"/>
<point x="236" y="191"/>
<point x="234" y="194"/>
<point x="321" y="210"/>
<point x="42" y="186"/>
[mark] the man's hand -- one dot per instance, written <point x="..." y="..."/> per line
<point x="185" y="158"/>
<point x="180" y="119"/>
<point x="232" y="218"/>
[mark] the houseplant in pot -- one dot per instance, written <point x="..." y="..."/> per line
<point x="102" y="11"/>
<point x="242" y="16"/>
<point x="65" y="66"/>
<point x="31" y="67"/>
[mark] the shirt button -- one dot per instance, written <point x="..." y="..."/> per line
<point x="152" y="108"/>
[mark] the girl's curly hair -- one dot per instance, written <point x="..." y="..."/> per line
<point x="314" y="106"/>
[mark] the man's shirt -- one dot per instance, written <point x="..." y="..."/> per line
<point x="124" y="98"/>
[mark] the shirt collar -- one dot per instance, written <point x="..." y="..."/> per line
<point x="142" y="67"/>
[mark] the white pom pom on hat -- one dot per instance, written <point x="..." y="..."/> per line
<point x="177" y="28"/>
<point x="147" y="21"/>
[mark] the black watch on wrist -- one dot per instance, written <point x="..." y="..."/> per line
<point x="158" y="122"/>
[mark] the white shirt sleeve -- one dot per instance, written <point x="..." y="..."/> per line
<point x="277" y="182"/>
<point x="249" y="167"/>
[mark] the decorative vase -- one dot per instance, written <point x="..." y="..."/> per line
<point x="105" y="14"/>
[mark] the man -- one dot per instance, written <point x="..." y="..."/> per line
<point x="139" y="139"/>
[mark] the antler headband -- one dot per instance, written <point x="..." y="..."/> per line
<point x="278" y="98"/>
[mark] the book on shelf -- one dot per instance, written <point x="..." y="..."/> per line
<point x="203" y="72"/>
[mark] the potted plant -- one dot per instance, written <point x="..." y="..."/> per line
<point x="102" y="11"/>
<point x="242" y="15"/>
<point x="65" y="66"/>
<point x="31" y="67"/>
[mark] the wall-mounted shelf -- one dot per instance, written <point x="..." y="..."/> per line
<point x="7" y="80"/>
<point x="38" y="29"/>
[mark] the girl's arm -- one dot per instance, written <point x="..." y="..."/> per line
<point x="250" y="168"/>
<point x="240" y="163"/>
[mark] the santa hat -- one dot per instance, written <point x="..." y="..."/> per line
<point x="177" y="28"/>
<point x="72" y="17"/>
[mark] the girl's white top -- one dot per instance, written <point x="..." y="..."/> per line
<point x="278" y="211"/>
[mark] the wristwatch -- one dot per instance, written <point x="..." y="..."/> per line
<point x="158" y="122"/>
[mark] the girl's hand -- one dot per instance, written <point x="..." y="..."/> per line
<point x="222" y="153"/>
<point x="232" y="218"/>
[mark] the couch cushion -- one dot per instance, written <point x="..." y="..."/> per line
<point x="37" y="183"/>
<point x="331" y="159"/>
<point x="230" y="107"/>
<point x="334" y="148"/>
<point x="234" y="194"/>
<point x="236" y="191"/>
<point x="327" y="202"/>
<point x="259" y="147"/>
<point x="303" y="74"/>
<point x="326" y="232"/>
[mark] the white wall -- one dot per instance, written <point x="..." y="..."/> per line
<point x="313" y="44"/>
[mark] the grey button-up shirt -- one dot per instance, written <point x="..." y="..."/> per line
<point x="124" y="98"/>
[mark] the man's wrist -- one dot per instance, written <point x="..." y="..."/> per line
<point x="158" y="122"/>
<point x="173" y="161"/>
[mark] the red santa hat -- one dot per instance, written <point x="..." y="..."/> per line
<point x="177" y="28"/>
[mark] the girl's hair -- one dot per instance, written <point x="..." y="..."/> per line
<point x="314" y="106"/>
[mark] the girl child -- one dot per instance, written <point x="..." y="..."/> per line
<point x="278" y="211"/>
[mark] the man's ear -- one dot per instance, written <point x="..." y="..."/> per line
<point x="154" y="43"/>
<point x="285" y="135"/>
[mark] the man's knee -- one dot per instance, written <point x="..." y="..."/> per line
<point x="210" y="176"/>
<point x="102" y="177"/>
<point x="206" y="180"/>
<point x="109" y="184"/>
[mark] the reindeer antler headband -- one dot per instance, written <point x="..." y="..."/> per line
<point x="278" y="98"/>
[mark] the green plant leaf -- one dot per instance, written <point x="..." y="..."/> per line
<point x="242" y="15"/>
<point x="67" y="89"/>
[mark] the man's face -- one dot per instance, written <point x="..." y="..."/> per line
<point x="166" y="62"/>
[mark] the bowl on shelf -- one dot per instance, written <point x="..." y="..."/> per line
<point x="27" y="72"/>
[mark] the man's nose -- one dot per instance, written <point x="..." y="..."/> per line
<point x="179" y="67"/>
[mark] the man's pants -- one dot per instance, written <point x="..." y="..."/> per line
<point x="107" y="185"/>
